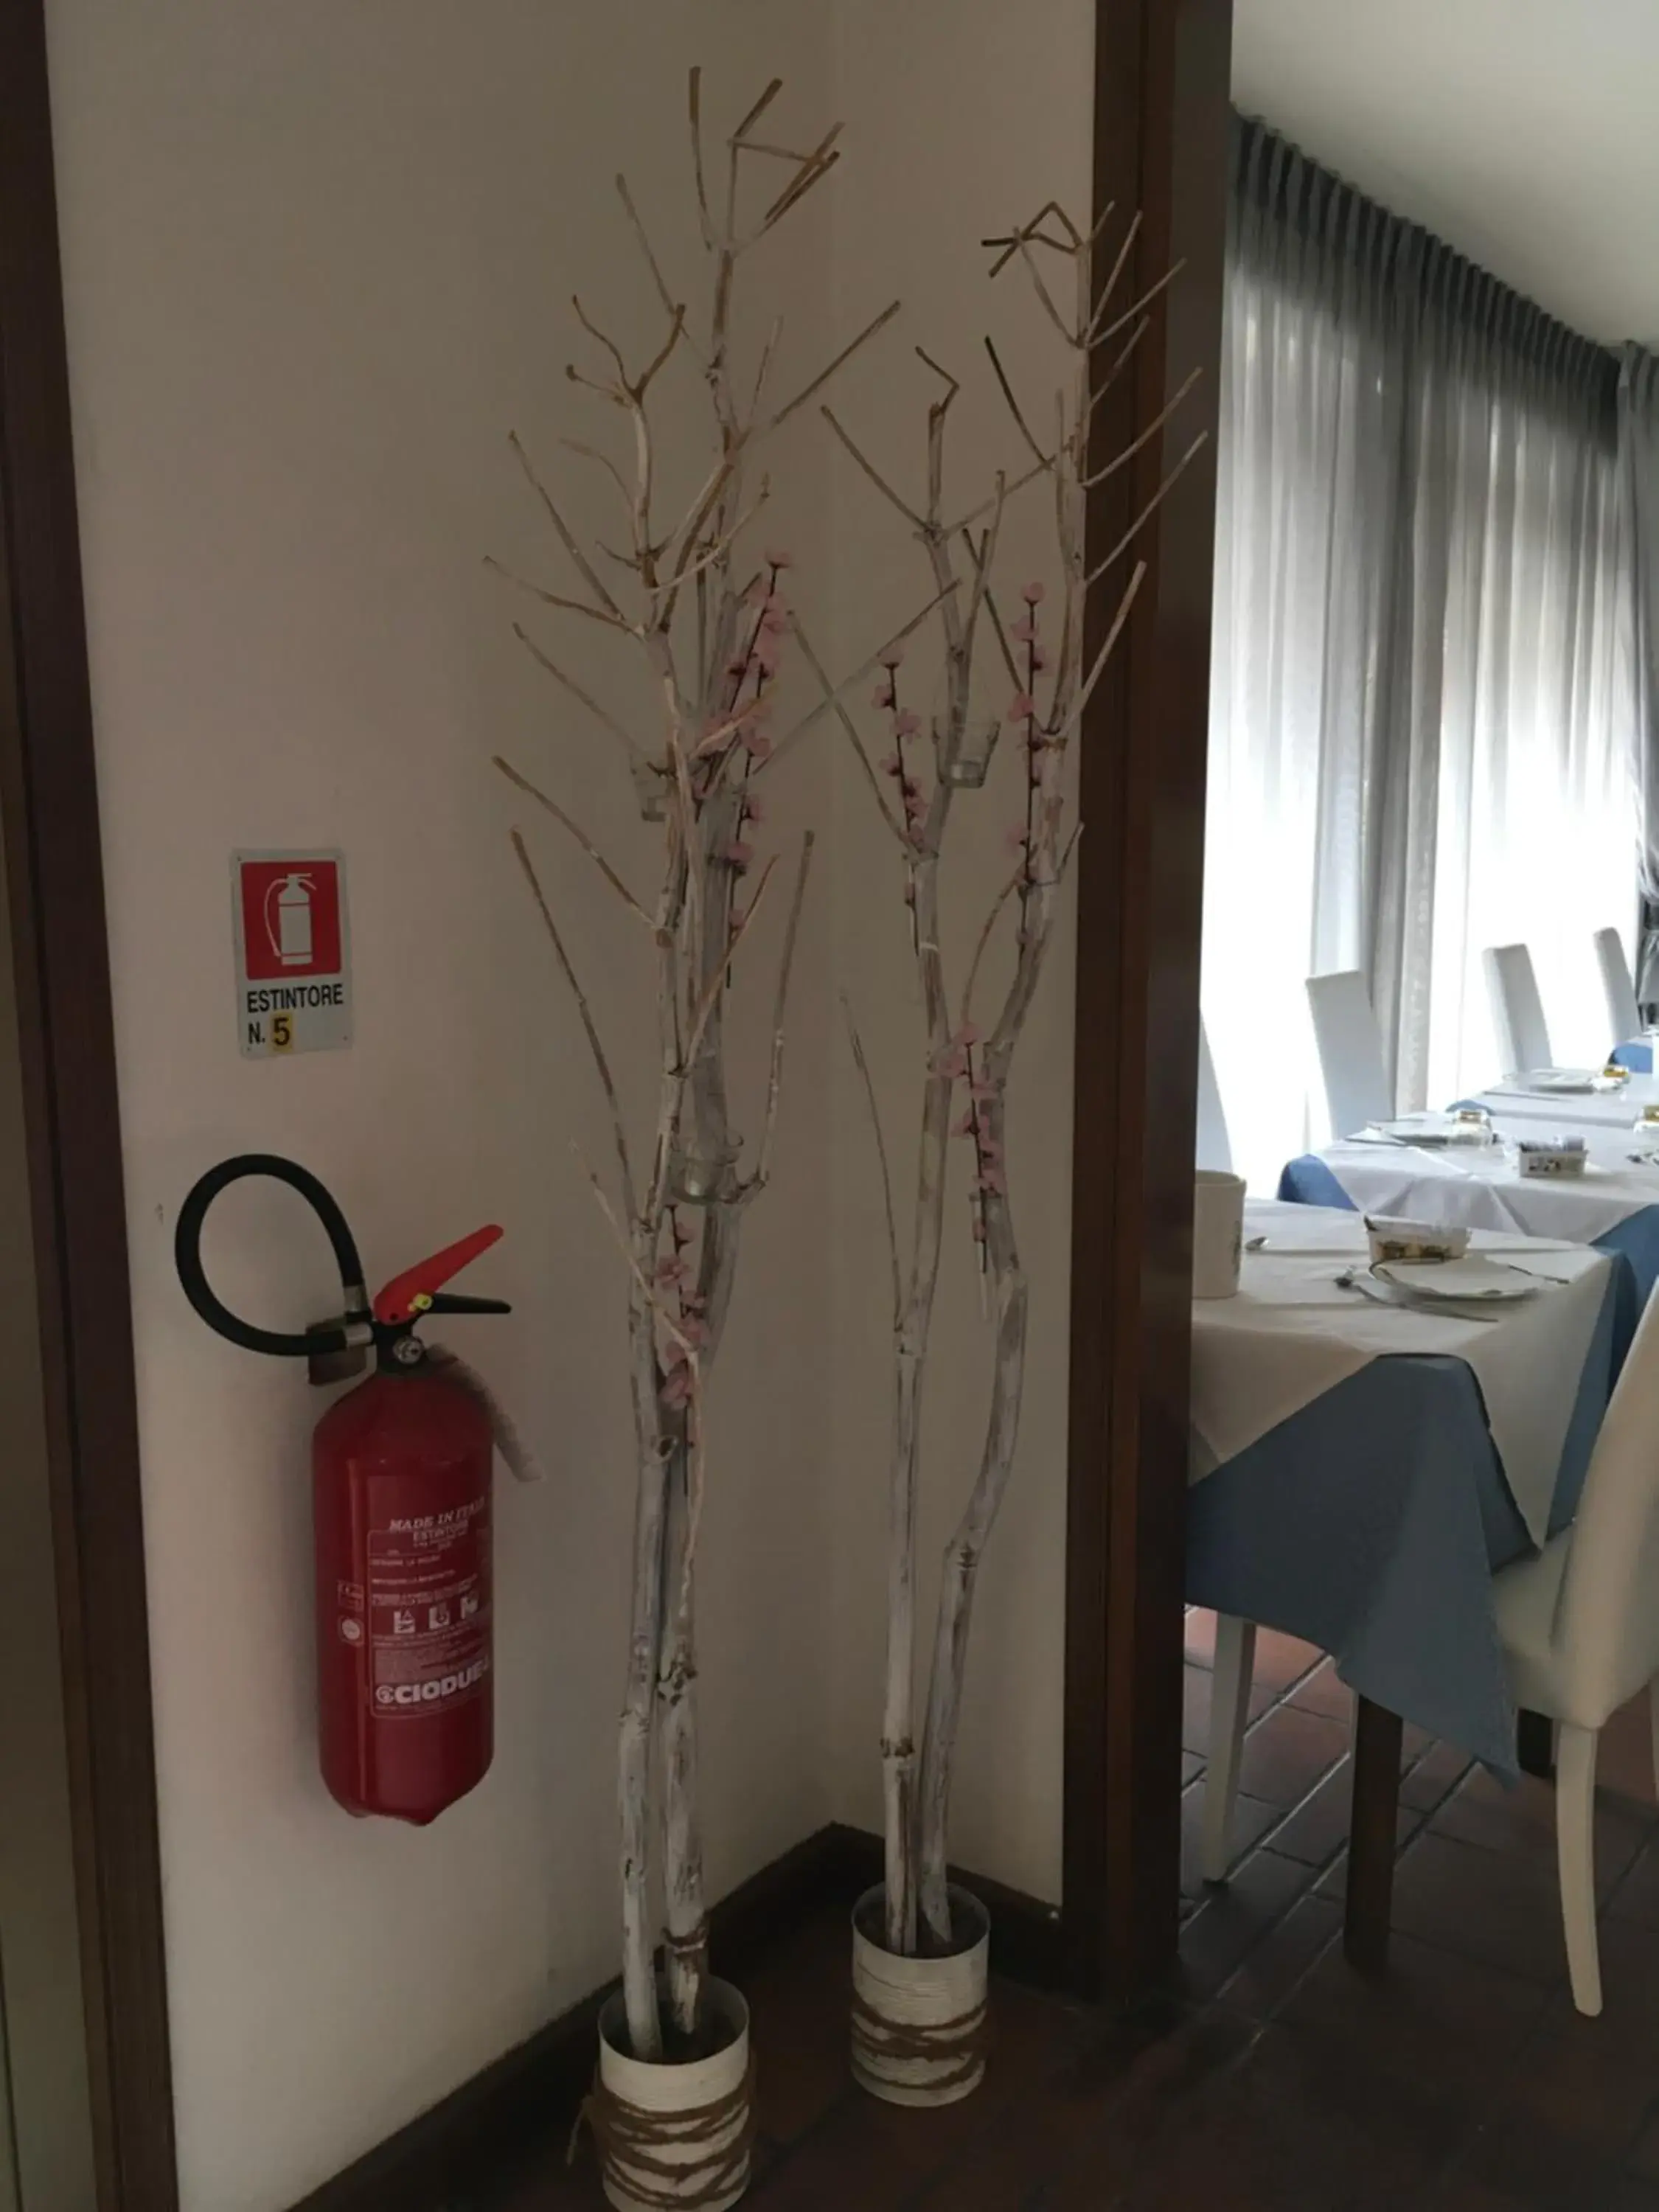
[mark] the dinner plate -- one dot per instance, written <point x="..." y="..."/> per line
<point x="1572" y="1080"/>
<point x="1415" y="1131"/>
<point x="1477" y="1278"/>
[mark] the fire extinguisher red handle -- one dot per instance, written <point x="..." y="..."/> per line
<point x="411" y="1294"/>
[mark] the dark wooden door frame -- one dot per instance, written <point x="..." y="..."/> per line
<point x="49" y="814"/>
<point x="1161" y="71"/>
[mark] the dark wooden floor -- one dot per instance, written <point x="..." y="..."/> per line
<point x="1277" y="2078"/>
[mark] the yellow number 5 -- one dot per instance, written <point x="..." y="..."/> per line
<point x="282" y="1032"/>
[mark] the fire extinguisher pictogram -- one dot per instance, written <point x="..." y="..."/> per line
<point x="288" y="919"/>
<point x="401" y="1471"/>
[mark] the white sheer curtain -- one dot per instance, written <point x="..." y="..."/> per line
<point x="1422" y="688"/>
<point x="1638" y="463"/>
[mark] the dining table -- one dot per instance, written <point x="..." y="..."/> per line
<point x="1613" y="1204"/>
<point x="1594" y="1101"/>
<point x="1363" y="1462"/>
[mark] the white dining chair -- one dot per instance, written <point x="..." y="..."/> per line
<point x="1517" y="1011"/>
<point x="1579" y="1626"/>
<point x="1580" y="1629"/>
<point x="1214" y="1149"/>
<point x="1624" y="1015"/>
<point x="1350" y="1051"/>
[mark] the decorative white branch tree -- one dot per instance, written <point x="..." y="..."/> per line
<point x="711" y="624"/>
<point x="970" y="1058"/>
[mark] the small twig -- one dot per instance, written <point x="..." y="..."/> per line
<point x="851" y="730"/>
<point x="880" y="322"/>
<point x="567" y="535"/>
<point x="716" y="983"/>
<point x="863" y="1067"/>
<point x="1042" y="468"/>
<point x="635" y="752"/>
<point x="817" y="166"/>
<point x="1117" y="270"/>
<point x="1150" y="431"/>
<point x="780" y="1006"/>
<point x="609" y="344"/>
<point x="651" y="262"/>
<point x="676" y="331"/>
<point x="1104" y="384"/>
<point x="1118" y="620"/>
<point x="582" y="837"/>
<point x="555" y="599"/>
<point x="873" y="471"/>
<point x="648" y="1291"/>
<point x="865" y="670"/>
<point x="722" y="544"/>
<point x="1146" y="512"/>
<point x="619" y="1134"/>
<point x="1013" y="405"/>
<point x="984" y="940"/>
<point x="693" y="89"/>
<point x="995" y="613"/>
<point x="1099" y="338"/>
<point x="593" y="453"/>
<point x="1043" y="294"/>
<point x="755" y="112"/>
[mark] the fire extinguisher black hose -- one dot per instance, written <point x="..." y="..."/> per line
<point x="187" y="1255"/>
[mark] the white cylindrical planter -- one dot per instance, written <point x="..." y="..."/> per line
<point x="675" y="2137"/>
<point x="919" y="2024"/>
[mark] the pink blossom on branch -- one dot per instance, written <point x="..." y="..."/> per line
<point x="907" y="723"/>
<point x="1021" y="708"/>
<point x="740" y="853"/>
<point x="1025" y="630"/>
<point x="776" y="558"/>
<point x="892" y="658"/>
<point x="1032" y="594"/>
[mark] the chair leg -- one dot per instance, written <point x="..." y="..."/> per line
<point x="1575" y="1841"/>
<point x="1229" y="1706"/>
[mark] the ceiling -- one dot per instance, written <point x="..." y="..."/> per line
<point x="1525" y="132"/>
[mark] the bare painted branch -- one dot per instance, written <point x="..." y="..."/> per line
<point x="584" y="1012"/>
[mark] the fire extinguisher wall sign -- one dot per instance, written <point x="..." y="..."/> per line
<point x="293" y="953"/>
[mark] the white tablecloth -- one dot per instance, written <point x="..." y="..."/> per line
<point x="1581" y="1109"/>
<point x="1291" y="1334"/>
<point x="1480" y="1186"/>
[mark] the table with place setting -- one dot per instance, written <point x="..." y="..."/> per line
<point x="1575" y="1097"/>
<point x="1370" y="1443"/>
<point x="1433" y="1169"/>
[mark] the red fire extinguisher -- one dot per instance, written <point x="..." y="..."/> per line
<point x="401" y="1500"/>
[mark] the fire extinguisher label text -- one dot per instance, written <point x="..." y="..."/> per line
<point x="429" y="1607"/>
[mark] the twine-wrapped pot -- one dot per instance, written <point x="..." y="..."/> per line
<point x="675" y="2138"/>
<point x="919" y="2025"/>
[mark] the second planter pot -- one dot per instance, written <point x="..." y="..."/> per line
<point x="919" y="2024"/>
<point x="675" y="2136"/>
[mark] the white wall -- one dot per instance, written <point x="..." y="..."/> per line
<point x="317" y="263"/>
<point x="318" y="260"/>
<point x="969" y="116"/>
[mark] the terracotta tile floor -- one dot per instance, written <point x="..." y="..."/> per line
<point x="1276" y="2078"/>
